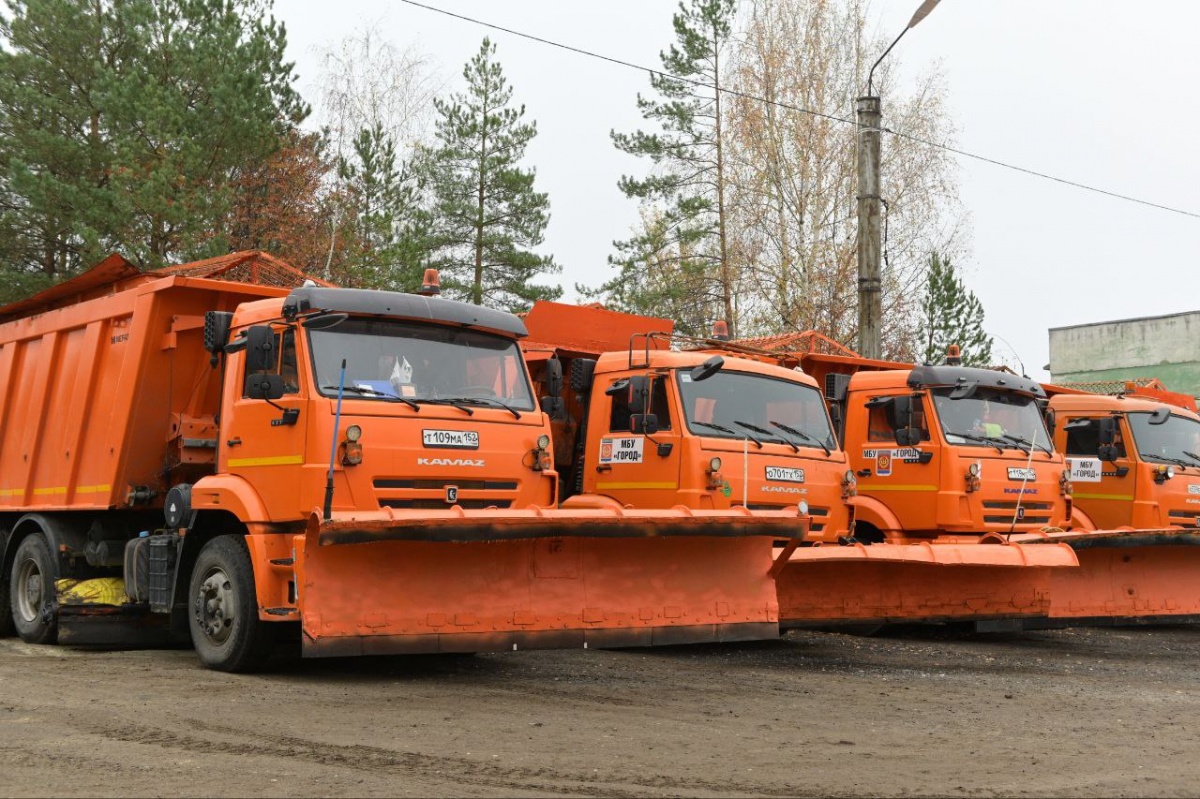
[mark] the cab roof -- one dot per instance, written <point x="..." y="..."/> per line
<point x="396" y="305"/>
<point x="671" y="359"/>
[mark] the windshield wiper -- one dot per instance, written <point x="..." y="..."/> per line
<point x="758" y="429"/>
<point x="1167" y="458"/>
<point x="1192" y="455"/>
<point x="991" y="442"/>
<point x="1024" y="442"/>
<point x="367" y="391"/>
<point x="804" y="435"/>
<point x="718" y="427"/>
<point x="444" y="401"/>
<point x="491" y="401"/>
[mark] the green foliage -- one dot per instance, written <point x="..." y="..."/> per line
<point x="486" y="216"/>
<point x="684" y="234"/>
<point x="951" y="314"/>
<point x="384" y="209"/>
<point x="122" y="123"/>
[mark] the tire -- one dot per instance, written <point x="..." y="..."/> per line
<point x="7" y="628"/>
<point x="31" y="591"/>
<point x="223" y="608"/>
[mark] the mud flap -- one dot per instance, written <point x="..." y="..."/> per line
<point x="504" y="581"/>
<point x="918" y="583"/>
<point x="1128" y="577"/>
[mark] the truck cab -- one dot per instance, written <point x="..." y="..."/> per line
<point x="705" y="430"/>
<point x="950" y="450"/>
<point x="1136" y="460"/>
<point x="435" y="404"/>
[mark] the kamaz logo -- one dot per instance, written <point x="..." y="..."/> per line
<point x="784" y="490"/>
<point x="449" y="462"/>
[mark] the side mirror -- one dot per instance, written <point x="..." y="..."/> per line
<point x="554" y="407"/>
<point x="552" y="377"/>
<point x="908" y="436"/>
<point x="639" y="394"/>
<point x="646" y="423"/>
<point x="1107" y="452"/>
<point x="264" y="386"/>
<point x="260" y="349"/>
<point x="1108" y="430"/>
<point x="901" y="411"/>
<point x="708" y="368"/>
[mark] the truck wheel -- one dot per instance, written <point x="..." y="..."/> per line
<point x="223" y="608"/>
<point x="31" y="591"/>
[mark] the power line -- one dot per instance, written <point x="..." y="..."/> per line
<point x="801" y="110"/>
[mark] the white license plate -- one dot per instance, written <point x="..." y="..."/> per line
<point x="454" y="439"/>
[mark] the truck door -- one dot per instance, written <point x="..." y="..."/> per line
<point x="1109" y="501"/>
<point x="904" y="477"/>
<point x="635" y="468"/>
<point x="265" y="439"/>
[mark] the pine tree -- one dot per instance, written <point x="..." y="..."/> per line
<point x="124" y="123"/>
<point x="952" y="314"/>
<point x="688" y="185"/>
<point x="387" y="220"/>
<point x="487" y="218"/>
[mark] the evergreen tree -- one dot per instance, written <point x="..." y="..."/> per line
<point x="688" y="185"/>
<point x="124" y="123"/>
<point x="387" y="242"/>
<point x="487" y="218"/>
<point x="952" y="314"/>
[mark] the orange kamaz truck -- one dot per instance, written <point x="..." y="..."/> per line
<point x="948" y="453"/>
<point x="369" y="471"/>
<point x="1135" y="457"/>
<point x="646" y="425"/>
<point x="660" y="420"/>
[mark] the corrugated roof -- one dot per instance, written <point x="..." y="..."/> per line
<point x="247" y="266"/>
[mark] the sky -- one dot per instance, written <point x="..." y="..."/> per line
<point x="1091" y="91"/>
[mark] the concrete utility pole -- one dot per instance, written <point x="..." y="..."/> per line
<point x="870" y="278"/>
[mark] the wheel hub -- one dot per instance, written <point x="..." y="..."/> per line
<point x="214" y="607"/>
<point x="29" y="593"/>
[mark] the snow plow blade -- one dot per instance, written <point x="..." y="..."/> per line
<point x="987" y="582"/>
<point x="1126" y="577"/>
<point x="391" y="582"/>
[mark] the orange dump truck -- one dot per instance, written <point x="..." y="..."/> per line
<point x="1135" y="460"/>
<point x="368" y="470"/>
<point x="735" y="425"/>
<point x="646" y="426"/>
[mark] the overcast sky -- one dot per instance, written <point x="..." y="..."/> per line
<point x="1093" y="91"/>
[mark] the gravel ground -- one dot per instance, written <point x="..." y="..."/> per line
<point x="1109" y="712"/>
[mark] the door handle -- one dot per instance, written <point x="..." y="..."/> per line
<point x="233" y="442"/>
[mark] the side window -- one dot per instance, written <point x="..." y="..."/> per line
<point x="879" y="425"/>
<point x="1084" y="439"/>
<point x="882" y="423"/>
<point x="285" y="367"/>
<point x="618" y="419"/>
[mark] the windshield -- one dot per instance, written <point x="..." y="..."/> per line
<point x="993" y="418"/>
<point x="388" y="359"/>
<point x="1177" y="440"/>
<point x="755" y="407"/>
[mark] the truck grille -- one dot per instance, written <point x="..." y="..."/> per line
<point x="1184" y="518"/>
<point x="1035" y="512"/>
<point x="431" y="493"/>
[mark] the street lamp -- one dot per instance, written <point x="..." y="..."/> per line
<point x="870" y="281"/>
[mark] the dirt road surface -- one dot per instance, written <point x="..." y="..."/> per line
<point x="1111" y="712"/>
